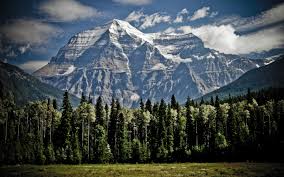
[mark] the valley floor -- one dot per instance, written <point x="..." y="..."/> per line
<point x="141" y="170"/>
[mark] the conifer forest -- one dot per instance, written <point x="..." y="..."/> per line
<point x="243" y="128"/>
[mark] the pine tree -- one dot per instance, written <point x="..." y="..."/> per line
<point x="106" y="117"/>
<point x="170" y="131"/>
<point x="153" y="133"/>
<point x="190" y="138"/>
<point x="249" y="96"/>
<point x="180" y="146"/>
<point x="201" y="102"/>
<point x="101" y="148"/>
<point x="142" y="106"/>
<point x="173" y="102"/>
<point x="123" y="149"/>
<point x="136" y="151"/>
<point x="217" y="101"/>
<point x="90" y="99"/>
<point x="83" y="98"/>
<point x="50" y="154"/>
<point x="148" y="106"/>
<point x="113" y="129"/>
<point x="64" y="128"/>
<point x="76" y="152"/>
<point x="77" y="156"/>
<point x="231" y="126"/>
<point x="100" y="117"/>
<point x="212" y="101"/>
<point x="54" y="103"/>
<point x="162" y="132"/>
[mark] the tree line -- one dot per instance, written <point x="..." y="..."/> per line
<point x="249" y="127"/>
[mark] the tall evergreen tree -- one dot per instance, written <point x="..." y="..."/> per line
<point x="83" y="98"/>
<point x="142" y="106"/>
<point x="148" y="106"/>
<point x="162" y="131"/>
<point x="190" y="137"/>
<point x="54" y="103"/>
<point x="101" y="148"/>
<point x="64" y="129"/>
<point x="174" y="103"/>
<point x="123" y="147"/>
<point x="170" y="131"/>
<point x="100" y="113"/>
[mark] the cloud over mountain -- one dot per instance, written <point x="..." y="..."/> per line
<point x="134" y="2"/>
<point x="29" y="31"/>
<point x="144" y="21"/>
<point x="67" y="10"/>
<point x="225" y="39"/>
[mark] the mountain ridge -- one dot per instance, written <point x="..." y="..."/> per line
<point x="271" y="75"/>
<point x="117" y="60"/>
<point x="25" y="87"/>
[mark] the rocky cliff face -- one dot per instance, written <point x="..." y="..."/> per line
<point x="117" y="60"/>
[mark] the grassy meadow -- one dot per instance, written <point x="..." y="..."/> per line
<point x="141" y="170"/>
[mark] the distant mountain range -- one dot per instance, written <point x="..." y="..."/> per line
<point x="117" y="60"/>
<point x="271" y="75"/>
<point x="26" y="88"/>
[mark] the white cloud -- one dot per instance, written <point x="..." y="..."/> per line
<point x="224" y="38"/>
<point x="24" y="48"/>
<point x="32" y="66"/>
<point x="200" y="13"/>
<point x="67" y="10"/>
<point x="144" y="21"/>
<point x="30" y="32"/>
<point x="134" y="2"/>
<point x="154" y="19"/>
<point x="213" y="14"/>
<point x="268" y="17"/>
<point x="181" y="15"/>
<point x="135" y="16"/>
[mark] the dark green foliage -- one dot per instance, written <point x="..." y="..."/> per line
<point x="100" y="114"/>
<point x="64" y="130"/>
<point x="54" y="104"/>
<point x="101" y="148"/>
<point x="174" y="104"/>
<point x="25" y="87"/>
<point x="112" y="128"/>
<point x="136" y="151"/>
<point x="123" y="149"/>
<point x="148" y="106"/>
<point x="83" y="98"/>
<point x="241" y="128"/>
<point x="189" y="130"/>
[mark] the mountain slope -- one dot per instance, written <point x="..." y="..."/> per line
<point x="117" y="60"/>
<point x="25" y="87"/>
<point x="271" y="75"/>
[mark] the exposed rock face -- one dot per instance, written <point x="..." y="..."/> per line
<point x="117" y="60"/>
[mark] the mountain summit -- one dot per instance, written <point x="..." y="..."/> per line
<point x="117" y="60"/>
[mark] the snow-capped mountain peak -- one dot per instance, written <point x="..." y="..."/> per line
<point x="117" y="60"/>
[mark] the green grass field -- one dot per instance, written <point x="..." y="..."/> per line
<point x="139" y="170"/>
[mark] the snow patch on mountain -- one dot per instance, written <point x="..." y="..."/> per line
<point x="117" y="60"/>
<point x="69" y="70"/>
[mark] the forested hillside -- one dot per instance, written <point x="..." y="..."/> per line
<point x="243" y="128"/>
<point x="23" y="87"/>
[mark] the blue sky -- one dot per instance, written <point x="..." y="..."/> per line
<point x="32" y="31"/>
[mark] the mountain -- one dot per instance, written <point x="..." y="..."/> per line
<point x="117" y="60"/>
<point x="273" y="53"/>
<point x="271" y="75"/>
<point x="25" y="87"/>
